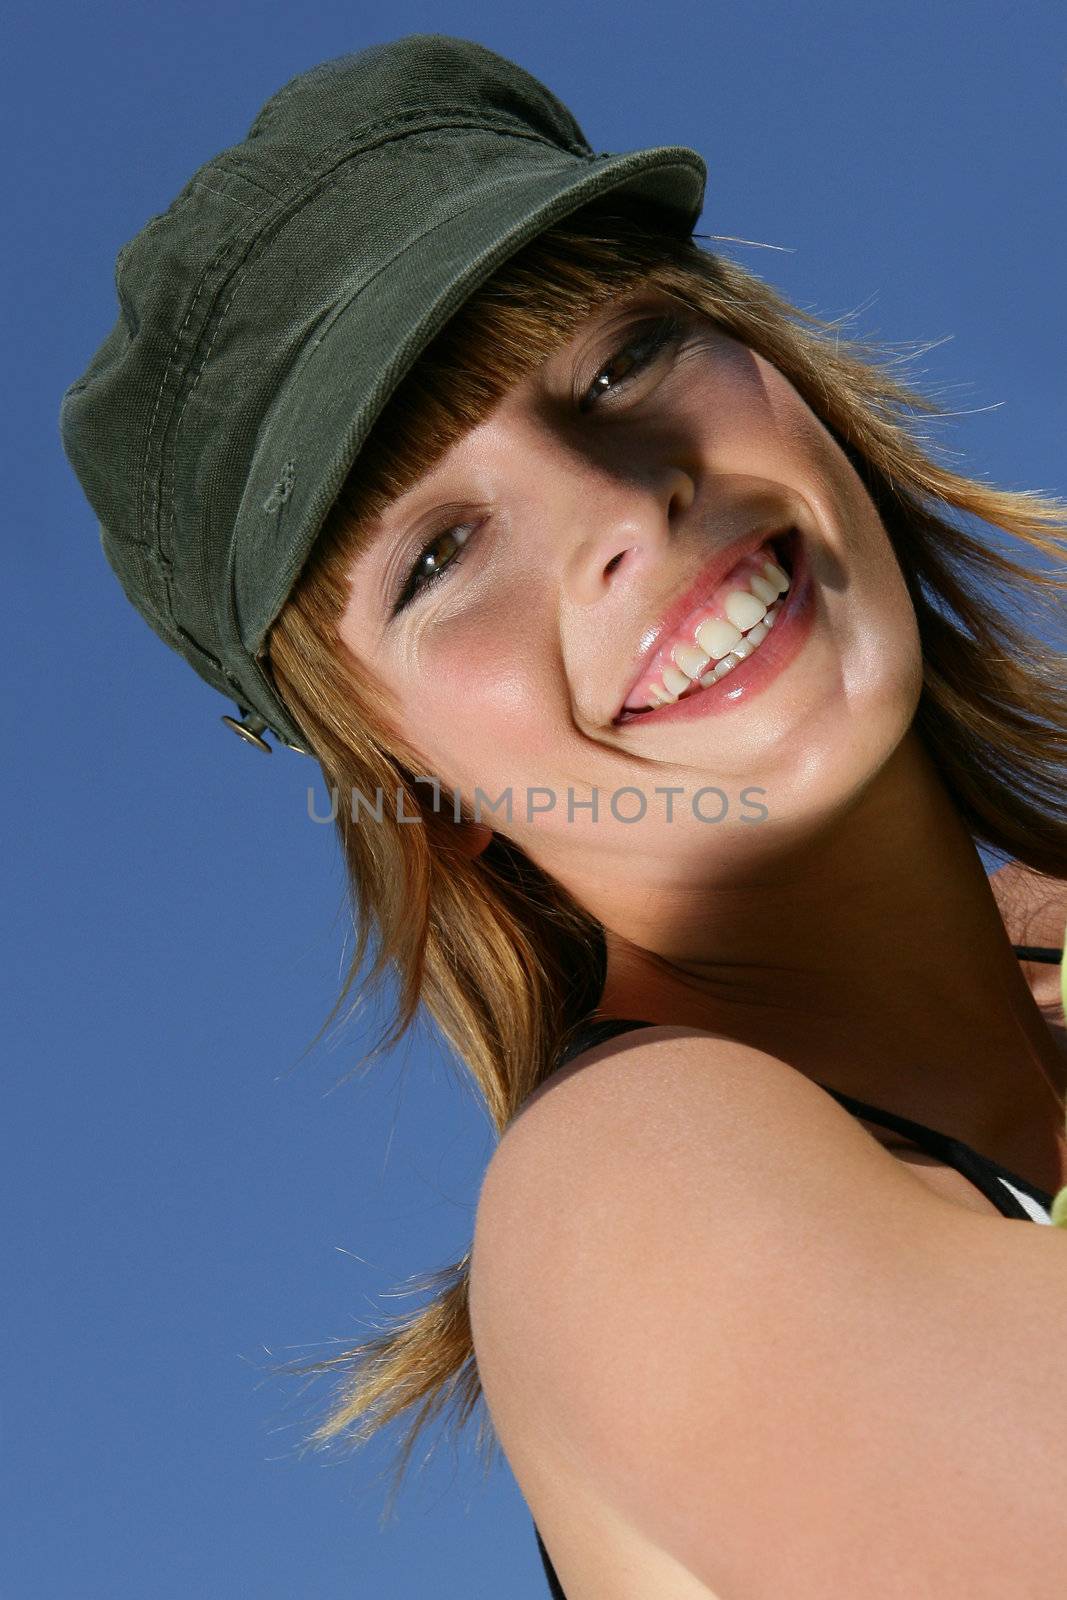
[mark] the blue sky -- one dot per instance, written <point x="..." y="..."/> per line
<point x="189" y="1195"/>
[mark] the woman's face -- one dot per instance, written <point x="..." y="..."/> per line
<point x="569" y="550"/>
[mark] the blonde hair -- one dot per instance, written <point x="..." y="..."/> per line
<point x="501" y="957"/>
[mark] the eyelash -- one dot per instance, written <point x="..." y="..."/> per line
<point x="653" y="340"/>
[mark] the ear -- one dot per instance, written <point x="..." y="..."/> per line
<point x="471" y="838"/>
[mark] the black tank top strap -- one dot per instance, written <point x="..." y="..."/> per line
<point x="555" y="1588"/>
<point x="594" y="1030"/>
<point x="984" y="1173"/>
<point x="1038" y="952"/>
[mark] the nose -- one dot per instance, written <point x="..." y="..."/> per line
<point x="624" y="529"/>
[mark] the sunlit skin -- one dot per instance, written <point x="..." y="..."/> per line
<point x="852" y="932"/>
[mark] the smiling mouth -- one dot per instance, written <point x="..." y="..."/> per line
<point x="731" y="627"/>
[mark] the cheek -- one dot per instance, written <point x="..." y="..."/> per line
<point x="761" y="427"/>
<point x="766" y="408"/>
<point x="484" y="705"/>
<point x="866" y="608"/>
<point x="855" y="549"/>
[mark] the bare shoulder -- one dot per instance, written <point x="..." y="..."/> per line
<point x="654" y="1098"/>
<point x="702" y="1289"/>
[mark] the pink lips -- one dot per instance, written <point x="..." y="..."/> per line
<point x="696" y="597"/>
<point x="757" y="671"/>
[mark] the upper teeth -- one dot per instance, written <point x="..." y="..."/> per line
<point x="726" y="641"/>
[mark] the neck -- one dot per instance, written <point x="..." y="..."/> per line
<point x="873" y="958"/>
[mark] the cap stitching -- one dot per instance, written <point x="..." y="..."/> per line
<point x="248" y="225"/>
<point x="500" y="121"/>
<point x="214" y="660"/>
<point x="231" y="161"/>
<point x="222" y="194"/>
<point x="156" y="524"/>
<point x="281" y="491"/>
<point x="238" y="158"/>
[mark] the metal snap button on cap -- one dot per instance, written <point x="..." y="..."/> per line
<point x="249" y="728"/>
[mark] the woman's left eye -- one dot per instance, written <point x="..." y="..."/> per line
<point x="634" y="356"/>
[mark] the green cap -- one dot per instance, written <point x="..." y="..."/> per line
<point x="269" y="313"/>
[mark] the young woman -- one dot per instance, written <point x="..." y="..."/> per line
<point x="666" y="694"/>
